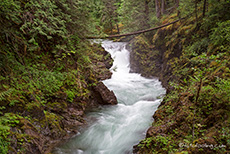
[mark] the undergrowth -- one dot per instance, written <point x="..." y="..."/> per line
<point x="31" y="89"/>
<point x="194" y="115"/>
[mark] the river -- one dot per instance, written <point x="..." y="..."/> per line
<point x="116" y="129"/>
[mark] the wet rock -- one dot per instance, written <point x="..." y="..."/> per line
<point x="103" y="72"/>
<point x="103" y="95"/>
<point x="101" y="65"/>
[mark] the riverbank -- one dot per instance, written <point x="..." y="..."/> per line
<point x="46" y="104"/>
<point x="195" y="71"/>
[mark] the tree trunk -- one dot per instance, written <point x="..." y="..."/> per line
<point x="111" y="27"/>
<point x="204" y="8"/>
<point x="177" y="3"/>
<point x="118" y="30"/>
<point x="146" y="24"/>
<point x="162" y="7"/>
<point x="157" y="6"/>
<point x="196" y="10"/>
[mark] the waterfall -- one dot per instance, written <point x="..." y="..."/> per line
<point x="116" y="129"/>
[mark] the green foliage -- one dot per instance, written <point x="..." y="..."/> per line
<point x="44" y="64"/>
<point x="159" y="144"/>
<point x="134" y="16"/>
<point x="34" y="83"/>
<point x="5" y="94"/>
<point x="4" y="132"/>
<point x="197" y="47"/>
<point x="6" y="122"/>
<point x="4" y="146"/>
<point x="198" y="98"/>
<point x="186" y="7"/>
<point x="109" y="16"/>
<point x="225" y="136"/>
<point x="44" y="25"/>
<point x="222" y="91"/>
<point x="221" y="35"/>
<point x="11" y="119"/>
<point x="50" y="81"/>
<point x="10" y="10"/>
<point x="70" y="95"/>
<point x="53" y="121"/>
<point x="218" y="12"/>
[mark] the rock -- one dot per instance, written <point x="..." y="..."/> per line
<point x="136" y="149"/>
<point x="101" y="65"/>
<point x="103" y="72"/>
<point x="103" y="95"/>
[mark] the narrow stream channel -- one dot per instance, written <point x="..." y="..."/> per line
<point x="116" y="129"/>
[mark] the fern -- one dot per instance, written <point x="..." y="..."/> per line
<point x="5" y="94"/>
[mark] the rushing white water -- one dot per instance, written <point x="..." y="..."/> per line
<point x="116" y="129"/>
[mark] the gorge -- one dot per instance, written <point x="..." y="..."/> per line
<point x="51" y="76"/>
<point x="116" y="129"/>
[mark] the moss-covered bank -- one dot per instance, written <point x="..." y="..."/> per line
<point x="44" y="99"/>
<point x="48" y="72"/>
<point x="192" y="60"/>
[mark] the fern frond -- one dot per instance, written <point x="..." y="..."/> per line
<point x="5" y="94"/>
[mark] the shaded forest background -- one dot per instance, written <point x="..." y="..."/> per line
<point x="45" y="62"/>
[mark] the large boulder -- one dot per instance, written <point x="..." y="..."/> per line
<point x="103" y="95"/>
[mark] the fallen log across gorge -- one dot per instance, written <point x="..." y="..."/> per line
<point x="133" y="33"/>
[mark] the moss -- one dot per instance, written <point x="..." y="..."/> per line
<point x="49" y="94"/>
<point x="53" y="122"/>
<point x="144" y="57"/>
<point x="195" y="112"/>
<point x="57" y="105"/>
